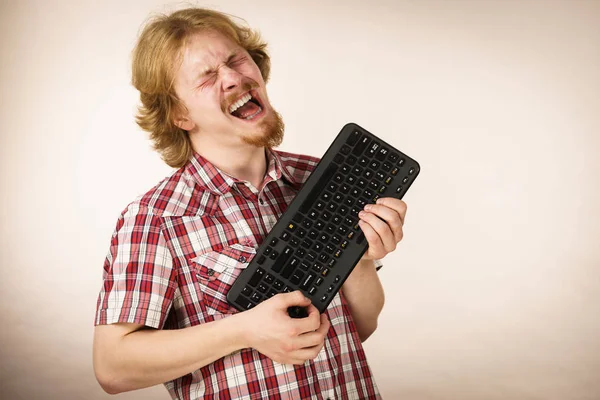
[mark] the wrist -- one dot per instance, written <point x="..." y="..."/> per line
<point x="239" y="331"/>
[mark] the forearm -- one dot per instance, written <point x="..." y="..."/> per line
<point x="149" y="357"/>
<point x="364" y="293"/>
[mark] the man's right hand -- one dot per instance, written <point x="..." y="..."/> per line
<point x="286" y="340"/>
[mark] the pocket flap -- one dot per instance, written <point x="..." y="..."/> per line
<point x="234" y="256"/>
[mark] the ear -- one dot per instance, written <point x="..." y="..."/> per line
<point x="184" y="123"/>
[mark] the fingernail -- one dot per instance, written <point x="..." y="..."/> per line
<point x="379" y="201"/>
<point x="362" y="214"/>
<point x="368" y="207"/>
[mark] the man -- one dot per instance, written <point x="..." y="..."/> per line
<point x="162" y="312"/>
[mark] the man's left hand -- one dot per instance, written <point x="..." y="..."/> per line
<point x="382" y="225"/>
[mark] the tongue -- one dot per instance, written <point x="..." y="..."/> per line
<point x="246" y="110"/>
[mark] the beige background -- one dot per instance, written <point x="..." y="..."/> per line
<point x="495" y="292"/>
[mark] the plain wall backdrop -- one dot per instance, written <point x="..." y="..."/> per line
<point x="494" y="293"/>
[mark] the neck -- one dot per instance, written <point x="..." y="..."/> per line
<point x="244" y="162"/>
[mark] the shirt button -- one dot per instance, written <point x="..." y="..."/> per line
<point x="242" y="259"/>
<point x="211" y="272"/>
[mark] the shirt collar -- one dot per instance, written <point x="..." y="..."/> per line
<point x="205" y="174"/>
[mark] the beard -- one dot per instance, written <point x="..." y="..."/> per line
<point x="270" y="132"/>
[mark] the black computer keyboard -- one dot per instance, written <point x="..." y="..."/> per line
<point x="317" y="241"/>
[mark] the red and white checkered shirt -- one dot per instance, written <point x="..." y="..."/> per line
<point x="177" y="250"/>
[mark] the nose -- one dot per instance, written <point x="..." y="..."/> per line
<point x="230" y="78"/>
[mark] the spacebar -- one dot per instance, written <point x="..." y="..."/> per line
<point x="316" y="190"/>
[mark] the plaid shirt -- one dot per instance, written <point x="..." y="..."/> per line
<point x="177" y="250"/>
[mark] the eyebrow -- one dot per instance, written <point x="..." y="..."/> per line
<point x="209" y="70"/>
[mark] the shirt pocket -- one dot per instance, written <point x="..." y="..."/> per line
<point x="216" y="271"/>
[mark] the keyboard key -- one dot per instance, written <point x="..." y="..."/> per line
<point x="285" y="236"/>
<point x="373" y="149"/>
<point x="319" y="281"/>
<point x="338" y="159"/>
<point x="405" y="180"/>
<point x="275" y="241"/>
<point x="345" y="150"/>
<point x="244" y="302"/>
<point x="290" y="267"/>
<point x="353" y="138"/>
<point x="314" y="193"/>
<point x="282" y="259"/>
<point x="261" y="260"/>
<point x="246" y="291"/>
<point x="304" y="266"/>
<point x="297" y="277"/>
<point x="401" y="162"/>
<point x="394" y="157"/>
<point x="278" y="284"/>
<point x="382" y="154"/>
<point x="269" y="278"/>
<point x="308" y="280"/>
<point x="258" y="274"/>
<point x="361" y="146"/>
<point x="262" y="288"/>
<point x="312" y="290"/>
<point x="411" y="171"/>
<point x="386" y="166"/>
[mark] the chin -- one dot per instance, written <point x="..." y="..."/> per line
<point x="269" y="132"/>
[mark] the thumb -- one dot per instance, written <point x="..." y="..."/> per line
<point x="295" y="298"/>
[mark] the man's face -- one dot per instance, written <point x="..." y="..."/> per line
<point x="225" y="94"/>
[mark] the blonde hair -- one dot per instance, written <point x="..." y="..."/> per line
<point x="154" y="66"/>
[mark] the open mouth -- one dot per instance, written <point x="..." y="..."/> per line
<point x="246" y="107"/>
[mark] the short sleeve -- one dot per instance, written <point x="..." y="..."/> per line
<point x="138" y="280"/>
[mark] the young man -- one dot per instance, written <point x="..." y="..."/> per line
<point x="162" y="312"/>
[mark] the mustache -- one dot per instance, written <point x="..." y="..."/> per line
<point x="232" y="98"/>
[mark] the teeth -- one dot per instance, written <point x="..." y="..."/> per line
<point x="254" y="115"/>
<point x="239" y="103"/>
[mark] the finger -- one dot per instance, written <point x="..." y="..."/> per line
<point x="311" y="323"/>
<point x="386" y="236"/>
<point x="295" y="298"/>
<point x="376" y="248"/>
<point x="395" y="204"/>
<point x="390" y="216"/>
<point x="307" y="353"/>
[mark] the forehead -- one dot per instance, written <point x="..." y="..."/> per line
<point x="204" y="51"/>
